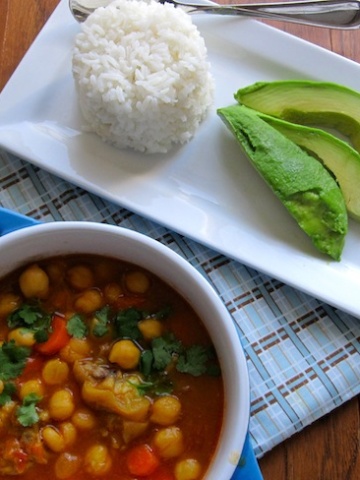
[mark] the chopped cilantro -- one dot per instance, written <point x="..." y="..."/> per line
<point x="193" y="361"/>
<point x="32" y="317"/>
<point x="198" y="360"/>
<point x="162" y="386"/>
<point x="41" y="336"/>
<point x="101" y="324"/>
<point x="29" y="316"/>
<point x="76" y="327"/>
<point x="158" y="385"/>
<point x="146" y="362"/>
<point x="165" y="349"/>
<point x="8" y="391"/>
<point x="126" y="323"/>
<point x="12" y="360"/>
<point x="25" y="315"/>
<point x="26" y="413"/>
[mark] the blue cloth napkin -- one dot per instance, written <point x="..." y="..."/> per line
<point x="303" y="355"/>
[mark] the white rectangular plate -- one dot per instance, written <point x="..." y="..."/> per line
<point x="206" y="190"/>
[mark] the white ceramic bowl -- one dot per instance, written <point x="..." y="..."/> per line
<point x="58" y="238"/>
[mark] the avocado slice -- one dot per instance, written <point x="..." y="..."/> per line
<point x="301" y="182"/>
<point x="322" y="104"/>
<point x="341" y="159"/>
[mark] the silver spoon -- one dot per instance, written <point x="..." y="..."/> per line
<point x="341" y="14"/>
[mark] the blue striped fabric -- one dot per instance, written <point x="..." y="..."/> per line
<point x="303" y="355"/>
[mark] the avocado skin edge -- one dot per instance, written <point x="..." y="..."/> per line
<point x="307" y="102"/>
<point x="301" y="182"/>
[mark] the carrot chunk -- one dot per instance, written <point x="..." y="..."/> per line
<point x="58" y="338"/>
<point x="142" y="461"/>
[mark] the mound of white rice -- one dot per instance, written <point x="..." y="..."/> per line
<point x="142" y="75"/>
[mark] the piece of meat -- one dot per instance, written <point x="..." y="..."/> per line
<point x="106" y="389"/>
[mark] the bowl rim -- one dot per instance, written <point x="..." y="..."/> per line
<point x="236" y="417"/>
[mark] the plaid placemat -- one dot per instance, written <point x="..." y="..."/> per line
<point x="303" y="355"/>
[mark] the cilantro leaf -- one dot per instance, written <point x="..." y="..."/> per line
<point x="76" y="327"/>
<point x="101" y="324"/>
<point x="126" y="323"/>
<point x="198" y="360"/>
<point x="26" y="413"/>
<point x="41" y="336"/>
<point x="146" y="362"/>
<point x="12" y="360"/>
<point x="165" y="349"/>
<point x="8" y="391"/>
<point x="155" y="386"/>
<point x="193" y="361"/>
<point x="29" y="316"/>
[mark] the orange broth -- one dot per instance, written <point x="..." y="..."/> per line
<point x="105" y="372"/>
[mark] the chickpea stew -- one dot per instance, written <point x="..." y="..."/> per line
<point x="105" y="371"/>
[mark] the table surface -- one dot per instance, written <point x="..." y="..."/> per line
<point x="330" y="448"/>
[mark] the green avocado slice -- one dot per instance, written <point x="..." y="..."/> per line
<point x="322" y="104"/>
<point x="341" y="159"/>
<point x="302" y="183"/>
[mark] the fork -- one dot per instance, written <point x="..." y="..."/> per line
<point x="337" y="14"/>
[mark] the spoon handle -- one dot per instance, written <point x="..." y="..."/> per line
<point x="340" y="14"/>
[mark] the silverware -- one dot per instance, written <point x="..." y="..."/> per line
<point x="339" y="14"/>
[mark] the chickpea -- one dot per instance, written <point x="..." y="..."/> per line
<point x="137" y="282"/>
<point x="53" y="439"/>
<point x="188" y="469"/>
<point x="84" y="419"/>
<point x="88" y="301"/>
<point x="169" y="442"/>
<point x="67" y="465"/>
<point x="97" y="460"/>
<point x="150" y="328"/>
<point x="61" y="405"/>
<point x="55" y="372"/>
<point x="22" y="337"/>
<point x="8" y="303"/>
<point x="34" y="282"/>
<point x="166" y="410"/>
<point x="76" y="349"/>
<point x="125" y="353"/>
<point x="32" y="386"/>
<point x="106" y="270"/>
<point x="56" y="271"/>
<point x="69" y="433"/>
<point x="80" y="277"/>
<point x="112" y="291"/>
